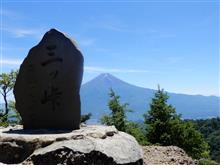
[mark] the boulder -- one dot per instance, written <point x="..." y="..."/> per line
<point x="48" y="84"/>
<point x="94" y="144"/>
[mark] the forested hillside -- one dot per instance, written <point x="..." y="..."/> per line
<point x="210" y="128"/>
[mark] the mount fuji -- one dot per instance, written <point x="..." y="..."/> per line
<point x="94" y="99"/>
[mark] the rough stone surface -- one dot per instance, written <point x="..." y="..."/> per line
<point x="166" y="155"/>
<point x="88" y="145"/>
<point x="48" y="84"/>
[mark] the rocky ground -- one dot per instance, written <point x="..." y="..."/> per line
<point x="169" y="155"/>
<point x="89" y="144"/>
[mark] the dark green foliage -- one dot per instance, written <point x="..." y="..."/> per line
<point x="192" y="141"/>
<point x="164" y="126"/>
<point x="159" y="120"/>
<point x="207" y="126"/>
<point x="3" y="120"/>
<point x="117" y="117"/>
<point x="214" y="142"/>
<point x="14" y="117"/>
<point x="136" y="130"/>
<point x="210" y="128"/>
<point x="85" y="117"/>
<point x="207" y="162"/>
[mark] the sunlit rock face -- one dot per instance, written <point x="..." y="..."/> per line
<point x="92" y="144"/>
<point x="48" y="84"/>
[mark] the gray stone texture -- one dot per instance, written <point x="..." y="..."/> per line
<point x="94" y="144"/>
<point x="48" y="84"/>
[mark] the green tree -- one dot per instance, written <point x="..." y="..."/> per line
<point x="159" y="119"/>
<point x="117" y="117"/>
<point x="210" y="128"/>
<point x="137" y="131"/>
<point x="164" y="126"/>
<point x="7" y="82"/>
<point x="3" y="120"/>
<point x="214" y="141"/>
<point x="14" y="116"/>
<point x="192" y="141"/>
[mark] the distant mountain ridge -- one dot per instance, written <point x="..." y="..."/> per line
<point x="94" y="99"/>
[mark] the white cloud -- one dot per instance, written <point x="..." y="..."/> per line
<point x="125" y="29"/>
<point x="88" y="69"/>
<point x="113" y="23"/>
<point x="18" y="31"/>
<point x="86" y="41"/>
<point x="24" y="32"/>
<point x="8" y="13"/>
<point x="115" y="28"/>
<point x="102" y="50"/>
<point x="92" y="69"/>
<point x="83" y="41"/>
<point x="10" y="62"/>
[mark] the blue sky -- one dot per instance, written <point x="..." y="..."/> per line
<point x="174" y="44"/>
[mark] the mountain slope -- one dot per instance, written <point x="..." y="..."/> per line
<point x="94" y="98"/>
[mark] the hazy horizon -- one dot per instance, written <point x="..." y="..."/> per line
<point x="154" y="88"/>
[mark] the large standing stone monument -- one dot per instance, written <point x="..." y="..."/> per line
<point x="48" y="84"/>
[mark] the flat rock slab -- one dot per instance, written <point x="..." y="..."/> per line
<point x="89" y="145"/>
